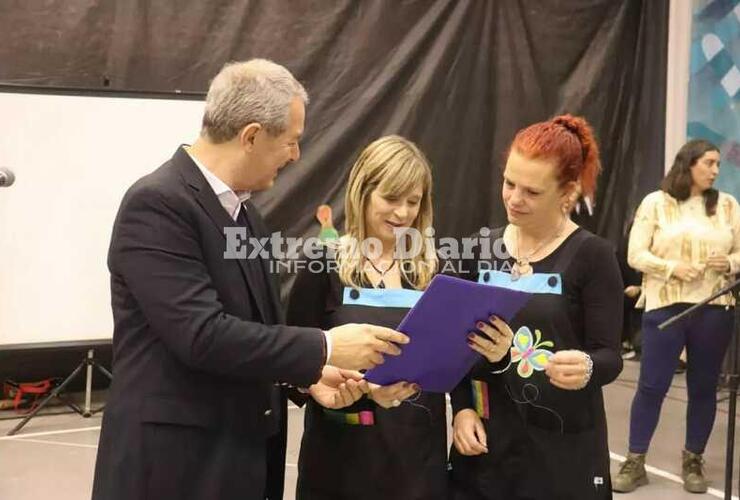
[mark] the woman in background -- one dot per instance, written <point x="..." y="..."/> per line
<point x="686" y="242"/>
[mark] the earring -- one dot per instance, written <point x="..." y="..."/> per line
<point x="589" y="205"/>
<point x="572" y="201"/>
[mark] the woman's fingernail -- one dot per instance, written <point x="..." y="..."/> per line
<point x="494" y="317"/>
<point x="471" y="336"/>
<point x="480" y="324"/>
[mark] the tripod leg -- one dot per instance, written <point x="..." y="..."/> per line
<point x="729" y="454"/>
<point x="97" y="410"/>
<point x="48" y="398"/>
<point x="88" y="383"/>
<point x="107" y="374"/>
<point x="103" y="370"/>
<point x="734" y="365"/>
<point x="64" y="399"/>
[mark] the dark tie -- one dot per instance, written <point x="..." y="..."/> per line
<point x="258" y="277"/>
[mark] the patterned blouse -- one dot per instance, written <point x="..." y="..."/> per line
<point x="666" y="232"/>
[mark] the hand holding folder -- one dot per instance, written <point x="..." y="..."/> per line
<point x="438" y="356"/>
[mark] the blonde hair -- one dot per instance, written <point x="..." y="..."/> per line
<point x="393" y="166"/>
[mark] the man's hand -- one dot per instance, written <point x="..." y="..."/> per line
<point x="338" y="388"/>
<point x="358" y="347"/>
<point x="389" y="396"/>
<point x="468" y="433"/>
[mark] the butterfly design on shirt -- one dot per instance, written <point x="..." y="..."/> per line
<point x="529" y="352"/>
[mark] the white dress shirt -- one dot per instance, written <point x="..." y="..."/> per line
<point x="231" y="201"/>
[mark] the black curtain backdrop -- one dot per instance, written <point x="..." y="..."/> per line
<point x="459" y="77"/>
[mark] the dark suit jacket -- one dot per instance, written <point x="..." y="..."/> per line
<point x="194" y="411"/>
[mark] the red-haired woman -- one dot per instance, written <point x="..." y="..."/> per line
<point x="533" y="425"/>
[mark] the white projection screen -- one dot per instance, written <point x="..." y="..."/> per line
<point x="74" y="157"/>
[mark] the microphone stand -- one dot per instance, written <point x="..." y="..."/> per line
<point x="733" y="377"/>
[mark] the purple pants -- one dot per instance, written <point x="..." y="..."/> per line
<point x="705" y="335"/>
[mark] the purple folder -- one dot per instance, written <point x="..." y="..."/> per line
<point x="438" y="356"/>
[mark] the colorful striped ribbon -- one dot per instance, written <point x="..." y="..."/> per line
<point x="361" y="418"/>
<point x="480" y="398"/>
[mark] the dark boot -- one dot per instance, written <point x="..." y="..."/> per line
<point x="692" y="473"/>
<point x="631" y="474"/>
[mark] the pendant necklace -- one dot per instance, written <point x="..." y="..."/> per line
<point x="522" y="266"/>
<point x="381" y="283"/>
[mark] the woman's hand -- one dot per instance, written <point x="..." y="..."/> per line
<point x="497" y="340"/>
<point x="389" y="396"/>
<point x="687" y="272"/>
<point x="338" y="388"/>
<point x="720" y="263"/>
<point x="632" y="291"/>
<point x="468" y="433"/>
<point x="570" y="370"/>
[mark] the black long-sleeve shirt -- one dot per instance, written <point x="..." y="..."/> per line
<point x="592" y="285"/>
<point x="545" y="442"/>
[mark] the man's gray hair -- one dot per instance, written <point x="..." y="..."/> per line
<point x="255" y="91"/>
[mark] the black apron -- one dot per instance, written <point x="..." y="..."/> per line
<point x="365" y="451"/>
<point x="544" y="442"/>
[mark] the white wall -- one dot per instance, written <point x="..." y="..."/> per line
<point x="677" y="82"/>
<point x="73" y="157"/>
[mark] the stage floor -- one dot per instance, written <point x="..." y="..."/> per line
<point x="54" y="456"/>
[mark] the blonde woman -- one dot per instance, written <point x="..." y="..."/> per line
<point x="390" y="444"/>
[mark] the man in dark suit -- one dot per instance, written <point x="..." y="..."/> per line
<point x="197" y="407"/>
